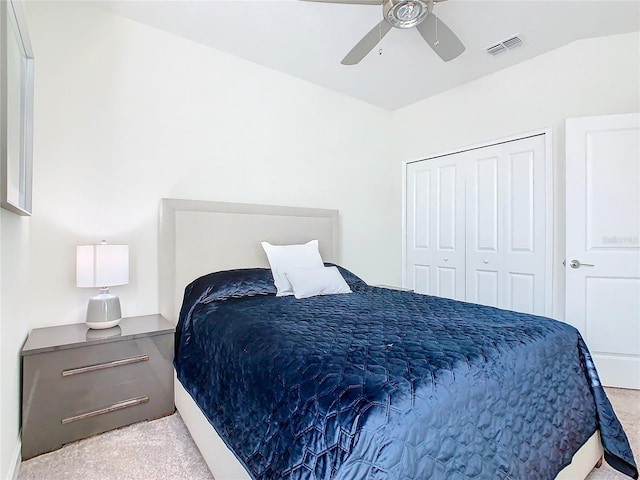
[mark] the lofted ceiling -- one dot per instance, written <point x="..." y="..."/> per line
<point x="308" y="40"/>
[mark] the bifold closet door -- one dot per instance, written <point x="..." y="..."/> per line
<point x="476" y="226"/>
<point x="505" y="225"/>
<point x="435" y="202"/>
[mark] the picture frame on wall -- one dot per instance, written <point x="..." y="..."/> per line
<point x="16" y="109"/>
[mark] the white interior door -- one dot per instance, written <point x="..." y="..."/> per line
<point x="506" y="227"/>
<point x="435" y="257"/>
<point x="603" y="242"/>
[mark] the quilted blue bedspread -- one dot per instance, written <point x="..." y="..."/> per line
<point x="386" y="384"/>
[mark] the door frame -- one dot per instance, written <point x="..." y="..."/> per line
<point x="549" y="198"/>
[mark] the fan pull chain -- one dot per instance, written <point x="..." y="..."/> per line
<point x="437" y="42"/>
<point x="380" y="37"/>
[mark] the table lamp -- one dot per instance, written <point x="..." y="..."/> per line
<point x="102" y="266"/>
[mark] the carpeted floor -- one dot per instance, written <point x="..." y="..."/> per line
<point x="163" y="449"/>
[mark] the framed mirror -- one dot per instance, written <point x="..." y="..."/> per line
<point x="16" y="109"/>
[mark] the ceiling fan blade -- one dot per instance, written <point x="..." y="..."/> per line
<point x="440" y="37"/>
<point x="364" y="46"/>
<point x="348" y="2"/>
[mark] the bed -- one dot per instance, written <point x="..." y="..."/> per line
<point x="281" y="389"/>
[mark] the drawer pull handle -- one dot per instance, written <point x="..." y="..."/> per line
<point x="132" y="402"/>
<point x="101" y="366"/>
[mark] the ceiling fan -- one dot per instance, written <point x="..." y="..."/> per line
<point x="404" y="14"/>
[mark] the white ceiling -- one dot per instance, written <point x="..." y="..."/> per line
<point x="308" y="40"/>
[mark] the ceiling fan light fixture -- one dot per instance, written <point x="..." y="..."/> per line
<point x="406" y="13"/>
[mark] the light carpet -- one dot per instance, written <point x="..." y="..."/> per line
<point x="163" y="449"/>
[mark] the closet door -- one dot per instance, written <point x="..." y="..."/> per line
<point x="476" y="226"/>
<point x="435" y="239"/>
<point x="505" y="227"/>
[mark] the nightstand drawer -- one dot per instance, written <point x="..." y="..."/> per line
<point x="89" y="377"/>
<point x="73" y="393"/>
<point x="82" y="390"/>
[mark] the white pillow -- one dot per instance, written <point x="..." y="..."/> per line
<point x="283" y="258"/>
<point x="308" y="282"/>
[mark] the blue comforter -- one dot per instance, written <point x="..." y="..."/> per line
<point x="386" y="384"/>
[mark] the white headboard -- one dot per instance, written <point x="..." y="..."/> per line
<point x="200" y="237"/>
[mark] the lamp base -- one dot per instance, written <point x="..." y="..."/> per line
<point x="100" y="334"/>
<point x="103" y="311"/>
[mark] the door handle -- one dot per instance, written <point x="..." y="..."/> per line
<point x="577" y="264"/>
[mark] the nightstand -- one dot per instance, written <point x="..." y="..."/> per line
<point x="77" y="382"/>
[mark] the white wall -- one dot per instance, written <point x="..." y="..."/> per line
<point x="589" y="77"/>
<point x="126" y="114"/>
<point x="14" y="320"/>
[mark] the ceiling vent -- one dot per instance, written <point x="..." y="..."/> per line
<point x="502" y="46"/>
<point x="496" y="49"/>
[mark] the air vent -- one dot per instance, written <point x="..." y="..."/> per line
<point x="496" y="49"/>
<point x="511" y="42"/>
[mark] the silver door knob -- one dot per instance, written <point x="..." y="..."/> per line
<point x="577" y="264"/>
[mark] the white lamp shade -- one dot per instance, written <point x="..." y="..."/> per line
<point x="102" y="265"/>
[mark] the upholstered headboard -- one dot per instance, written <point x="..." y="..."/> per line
<point x="200" y="237"/>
